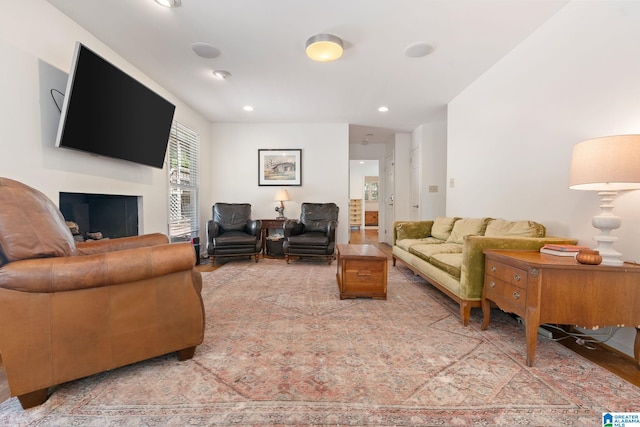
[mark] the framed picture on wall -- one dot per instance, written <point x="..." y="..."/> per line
<point x="279" y="167"/>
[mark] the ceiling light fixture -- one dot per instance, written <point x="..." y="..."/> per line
<point x="169" y="3"/>
<point x="383" y="109"/>
<point x="221" y="74"/>
<point x="324" y="47"/>
<point x="247" y="108"/>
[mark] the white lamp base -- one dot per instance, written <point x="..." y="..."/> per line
<point x="605" y="222"/>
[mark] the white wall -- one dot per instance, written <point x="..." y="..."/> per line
<point x="511" y="133"/>
<point x="36" y="47"/>
<point x="325" y="167"/>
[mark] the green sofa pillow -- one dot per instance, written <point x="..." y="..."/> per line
<point x="503" y="228"/>
<point x="442" y="227"/>
<point x="466" y="226"/>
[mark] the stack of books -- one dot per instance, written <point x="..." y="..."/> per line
<point x="561" y="250"/>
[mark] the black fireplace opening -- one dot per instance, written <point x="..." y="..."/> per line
<point x="108" y="215"/>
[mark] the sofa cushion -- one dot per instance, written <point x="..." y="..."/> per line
<point x="32" y="226"/>
<point x="503" y="228"/>
<point x="451" y="263"/>
<point x="413" y="229"/>
<point x="442" y="227"/>
<point x="407" y="243"/>
<point x="426" y="251"/>
<point x="466" y="226"/>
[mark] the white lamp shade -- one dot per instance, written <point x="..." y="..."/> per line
<point x="610" y="163"/>
<point x="282" y="195"/>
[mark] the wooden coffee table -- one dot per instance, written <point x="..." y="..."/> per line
<point x="362" y="272"/>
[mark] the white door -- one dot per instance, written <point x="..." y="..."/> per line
<point x="414" y="184"/>
<point x="389" y="186"/>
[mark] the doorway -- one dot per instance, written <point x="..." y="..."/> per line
<point x="364" y="191"/>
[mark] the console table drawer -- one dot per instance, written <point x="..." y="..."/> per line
<point x="507" y="273"/>
<point x="509" y="297"/>
<point x="364" y="274"/>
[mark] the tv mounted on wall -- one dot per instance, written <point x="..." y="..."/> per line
<point x="109" y="113"/>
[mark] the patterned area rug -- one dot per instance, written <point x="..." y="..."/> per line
<point x="281" y="348"/>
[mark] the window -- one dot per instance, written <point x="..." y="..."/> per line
<point x="371" y="188"/>
<point x="184" y="220"/>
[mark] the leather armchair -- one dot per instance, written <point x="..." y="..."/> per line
<point x="314" y="235"/>
<point x="232" y="232"/>
<point x="69" y="310"/>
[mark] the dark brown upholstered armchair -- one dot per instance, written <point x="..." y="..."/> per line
<point x="315" y="233"/>
<point x="232" y="232"/>
<point x="69" y="310"/>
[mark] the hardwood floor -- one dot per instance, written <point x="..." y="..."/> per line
<point x="614" y="361"/>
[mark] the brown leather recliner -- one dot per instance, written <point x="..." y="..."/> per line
<point x="69" y="310"/>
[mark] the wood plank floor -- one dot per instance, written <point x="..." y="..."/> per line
<point x="616" y="362"/>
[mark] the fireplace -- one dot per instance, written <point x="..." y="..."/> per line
<point x="111" y="215"/>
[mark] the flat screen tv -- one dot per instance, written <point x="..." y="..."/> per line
<point x="109" y="113"/>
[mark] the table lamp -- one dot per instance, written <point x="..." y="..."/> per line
<point x="281" y="196"/>
<point x="606" y="165"/>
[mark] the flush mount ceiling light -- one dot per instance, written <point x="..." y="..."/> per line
<point x="383" y="109"/>
<point x="169" y="3"/>
<point x="418" y="50"/>
<point x="205" y="50"/>
<point x="247" y="108"/>
<point x="324" y="47"/>
<point x="221" y="74"/>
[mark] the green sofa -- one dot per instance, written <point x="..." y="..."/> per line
<point x="447" y="252"/>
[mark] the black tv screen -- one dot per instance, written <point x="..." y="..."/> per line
<point x="109" y="113"/>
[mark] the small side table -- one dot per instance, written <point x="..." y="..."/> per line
<point x="543" y="288"/>
<point x="362" y="272"/>
<point x="272" y="247"/>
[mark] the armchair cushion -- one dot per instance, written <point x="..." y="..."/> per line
<point x="32" y="225"/>
<point x="316" y="217"/>
<point x="231" y="216"/>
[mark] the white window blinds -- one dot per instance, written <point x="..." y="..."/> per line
<point x="184" y="220"/>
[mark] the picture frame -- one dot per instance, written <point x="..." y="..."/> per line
<point x="279" y="167"/>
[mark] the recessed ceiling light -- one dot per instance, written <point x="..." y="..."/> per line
<point x="205" y="50"/>
<point x="221" y="74"/>
<point x="383" y="109"/>
<point x="247" y="108"/>
<point x="418" y="50"/>
<point x="169" y="3"/>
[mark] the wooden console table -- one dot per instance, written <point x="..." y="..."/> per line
<point x="544" y="288"/>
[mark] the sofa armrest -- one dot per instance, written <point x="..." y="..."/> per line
<point x="411" y="230"/>
<point x="472" y="269"/>
<point x="121" y="243"/>
<point x="91" y="271"/>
